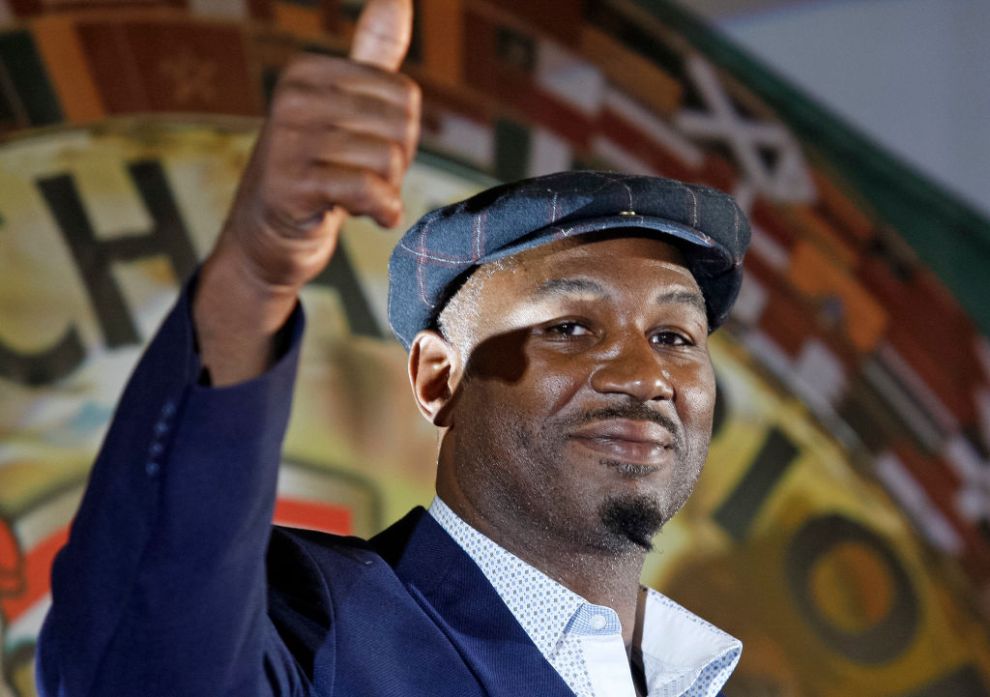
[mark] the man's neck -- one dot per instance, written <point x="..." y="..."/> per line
<point x="603" y="577"/>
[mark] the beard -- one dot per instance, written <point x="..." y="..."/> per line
<point x="633" y="521"/>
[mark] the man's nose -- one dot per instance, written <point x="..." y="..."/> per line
<point x="632" y="366"/>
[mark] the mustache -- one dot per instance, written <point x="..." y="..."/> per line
<point x="636" y="412"/>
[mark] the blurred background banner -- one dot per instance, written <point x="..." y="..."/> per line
<point x="841" y="525"/>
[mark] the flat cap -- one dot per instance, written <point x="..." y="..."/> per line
<point x="435" y="255"/>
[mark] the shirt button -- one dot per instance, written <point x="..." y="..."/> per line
<point x="598" y="622"/>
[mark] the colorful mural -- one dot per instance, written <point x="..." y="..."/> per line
<point x="841" y="526"/>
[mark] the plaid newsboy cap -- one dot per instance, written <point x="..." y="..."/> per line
<point x="435" y="256"/>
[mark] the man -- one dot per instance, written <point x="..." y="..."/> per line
<point x="557" y="334"/>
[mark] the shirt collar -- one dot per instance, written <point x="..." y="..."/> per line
<point x="681" y="650"/>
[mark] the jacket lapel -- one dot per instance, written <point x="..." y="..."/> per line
<point x="452" y="589"/>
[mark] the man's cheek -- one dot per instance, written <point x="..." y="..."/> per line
<point x="697" y="411"/>
<point x="699" y="391"/>
<point x="558" y="389"/>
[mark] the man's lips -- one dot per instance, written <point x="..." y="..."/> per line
<point x="628" y="440"/>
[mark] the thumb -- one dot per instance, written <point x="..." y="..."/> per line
<point x="383" y="33"/>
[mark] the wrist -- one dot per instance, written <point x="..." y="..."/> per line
<point x="237" y="317"/>
<point x="230" y="295"/>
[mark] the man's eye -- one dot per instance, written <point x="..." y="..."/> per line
<point x="568" y="329"/>
<point x="671" y="339"/>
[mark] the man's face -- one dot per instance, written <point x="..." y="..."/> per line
<point x="585" y="408"/>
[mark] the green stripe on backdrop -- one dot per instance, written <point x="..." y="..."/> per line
<point x="949" y="236"/>
<point x="24" y="72"/>
<point x="512" y="141"/>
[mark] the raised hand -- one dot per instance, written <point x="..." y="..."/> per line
<point x="338" y="140"/>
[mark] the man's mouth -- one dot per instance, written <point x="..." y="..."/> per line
<point x="628" y="441"/>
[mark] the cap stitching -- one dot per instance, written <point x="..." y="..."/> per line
<point x="629" y="195"/>
<point x="421" y="268"/>
<point x="476" y="238"/>
<point x="608" y="180"/>
<point x="735" y="221"/>
<point x="440" y="260"/>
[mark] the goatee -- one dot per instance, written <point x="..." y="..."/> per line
<point x="632" y="519"/>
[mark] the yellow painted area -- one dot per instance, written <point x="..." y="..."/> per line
<point x="852" y="588"/>
<point x="68" y="70"/>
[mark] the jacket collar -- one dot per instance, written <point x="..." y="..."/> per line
<point x="455" y="593"/>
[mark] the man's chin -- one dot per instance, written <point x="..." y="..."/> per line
<point x="632" y="521"/>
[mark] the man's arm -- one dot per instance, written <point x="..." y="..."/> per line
<point x="161" y="587"/>
<point x="160" y="590"/>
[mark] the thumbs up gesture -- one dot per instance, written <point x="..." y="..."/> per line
<point x="338" y="140"/>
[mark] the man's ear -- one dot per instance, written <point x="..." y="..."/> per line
<point x="433" y="374"/>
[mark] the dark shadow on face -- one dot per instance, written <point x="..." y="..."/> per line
<point x="501" y="357"/>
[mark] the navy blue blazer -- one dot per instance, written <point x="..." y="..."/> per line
<point x="174" y="584"/>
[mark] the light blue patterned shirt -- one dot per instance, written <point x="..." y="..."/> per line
<point x="683" y="656"/>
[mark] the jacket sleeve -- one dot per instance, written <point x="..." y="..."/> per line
<point x="161" y="587"/>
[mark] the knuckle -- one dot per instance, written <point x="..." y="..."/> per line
<point x="349" y="190"/>
<point x="408" y="95"/>
<point x="411" y="135"/>
<point x="308" y="73"/>
<point x="413" y="98"/>
<point x="396" y="161"/>
<point x="293" y="69"/>
<point x="367" y="186"/>
<point x="289" y="102"/>
<point x="359" y="103"/>
<point x="297" y="69"/>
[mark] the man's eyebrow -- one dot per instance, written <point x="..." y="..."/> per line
<point x="568" y="286"/>
<point x="685" y="297"/>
